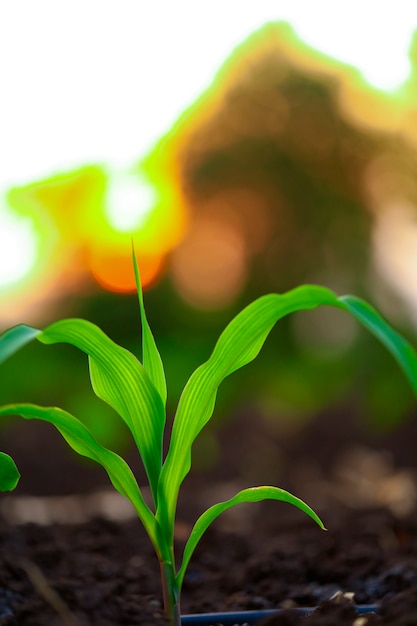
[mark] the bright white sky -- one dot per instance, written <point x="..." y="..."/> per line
<point x="99" y="81"/>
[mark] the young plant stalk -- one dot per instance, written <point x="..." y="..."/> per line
<point x="137" y="392"/>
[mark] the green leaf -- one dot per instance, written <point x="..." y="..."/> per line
<point x="9" y="474"/>
<point x="79" y="438"/>
<point x="238" y="345"/>
<point x="119" y="379"/>
<point x="253" y="494"/>
<point x="402" y="351"/>
<point x="152" y="361"/>
<point x="15" y="338"/>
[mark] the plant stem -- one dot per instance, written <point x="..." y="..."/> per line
<point x="170" y="593"/>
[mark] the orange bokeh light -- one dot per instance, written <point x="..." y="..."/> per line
<point x="112" y="268"/>
<point x="80" y="242"/>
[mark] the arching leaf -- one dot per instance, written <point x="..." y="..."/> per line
<point x="253" y="494"/>
<point x="79" y="438"/>
<point x="119" y="379"/>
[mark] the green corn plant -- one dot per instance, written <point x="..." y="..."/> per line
<point x="137" y="392"/>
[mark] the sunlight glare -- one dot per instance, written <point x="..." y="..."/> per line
<point x="129" y="201"/>
<point x="102" y="82"/>
<point x="18" y="246"/>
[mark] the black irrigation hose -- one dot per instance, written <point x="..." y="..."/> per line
<point x="251" y="617"/>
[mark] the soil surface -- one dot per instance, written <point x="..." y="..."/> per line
<point x="100" y="569"/>
<point x="103" y="573"/>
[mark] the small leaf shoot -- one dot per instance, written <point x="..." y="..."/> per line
<point x="137" y="392"/>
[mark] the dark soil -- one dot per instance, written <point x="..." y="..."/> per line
<point x="255" y="557"/>
<point x="104" y="573"/>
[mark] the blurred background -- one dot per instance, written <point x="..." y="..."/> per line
<point x="246" y="148"/>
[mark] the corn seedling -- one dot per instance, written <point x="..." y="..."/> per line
<point x="137" y="392"/>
